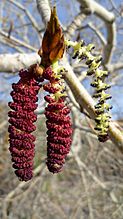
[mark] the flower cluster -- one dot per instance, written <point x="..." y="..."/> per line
<point x="81" y="51"/>
<point x="58" y="122"/>
<point x="101" y="108"/>
<point x="22" y="117"/>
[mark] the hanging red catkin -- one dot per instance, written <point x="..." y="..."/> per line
<point x="58" y="123"/>
<point x="22" y="117"/>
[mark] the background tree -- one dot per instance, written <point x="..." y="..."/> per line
<point x="90" y="185"/>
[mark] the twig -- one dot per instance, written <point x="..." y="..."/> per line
<point x="4" y="41"/>
<point x="115" y="66"/>
<point x="92" y="6"/>
<point x="16" y="42"/>
<point x="21" y="185"/>
<point x="71" y="97"/>
<point x="14" y="192"/>
<point x="98" y="33"/>
<point x="114" y="7"/>
<point x="83" y="167"/>
<point x="76" y="144"/>
<point x="31" y="18"/>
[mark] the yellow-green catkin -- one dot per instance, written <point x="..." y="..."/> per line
<point x="82" y="51"/>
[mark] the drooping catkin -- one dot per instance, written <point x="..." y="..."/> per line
<point x="22" y="118"/>
<point x="83" y="52"/>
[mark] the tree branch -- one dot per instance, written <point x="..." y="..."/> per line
<point x="111" y="42"/>
<point x="44" y="10"/>
<point x="15" y="41"/>
<point x="88" y="7"/>
<point x="98" y="33"/>
<point x="115" y="67"/>
<point x="13" y="63"/>
<point x="85" y="101"/>
<point x="74" y="25"/>
<point x="94" y="7"/>
<point x="31" y="18"/>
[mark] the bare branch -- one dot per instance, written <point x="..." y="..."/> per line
<point x="114" y="7"/>
<point x="98" y="33"/>
<point x="76" y="144"/>
<point x="109" y="19"/>
<point x="111" y="42"/>
<point x="20" y="187"/>
<point x="13" y="63"/>
<point x="115" y="67"/>
<point x="15" y="41"/>
<point x="77" y="22"/>
<point x="6" y="42"/>
<point x="31" y="18"/>
<point x="94" y="7"/>
<point x="44" y="9"/>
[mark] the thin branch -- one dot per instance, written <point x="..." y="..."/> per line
<point x="115" y="67"/>
<point x="83" y="167"/>
<point x="71" y="98"/>
<point x="15" y="41"/>
<point x="19" y="189"/>
<point x="5" y="42"/>
<point x="111" y="42"/>
<point x="114" y="7"/>
<point x="95" y="30"/>
<point x="31" y="18"/>
<point x="92" y="6"/>
<point x="98" y="33"/>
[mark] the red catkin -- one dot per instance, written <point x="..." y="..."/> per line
<point x="21" y="121"/>
<point x="58" y="124"/>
